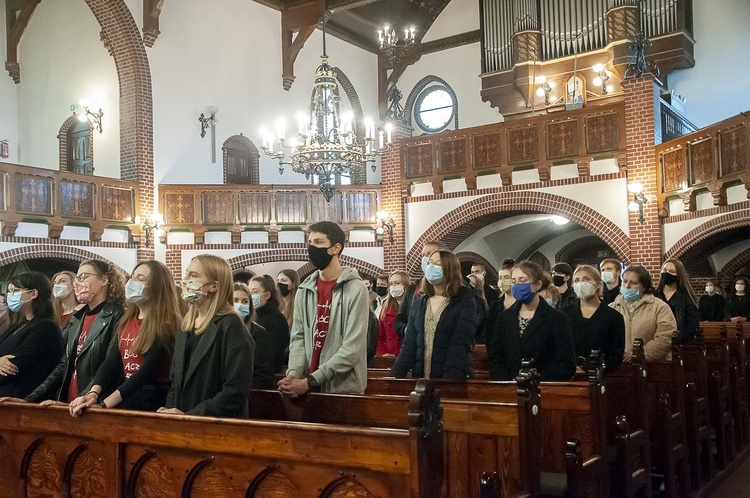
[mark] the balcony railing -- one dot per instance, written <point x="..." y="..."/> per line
<point x="710" y="159"/>
<point x="673" y="123"/>
<point x="237" y="208"/>
<point x="60" y="198"/>
<point x="573" y="137"/>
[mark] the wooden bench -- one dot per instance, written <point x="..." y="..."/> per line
<point x="122" y="453"/>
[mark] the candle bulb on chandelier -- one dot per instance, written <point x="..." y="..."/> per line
<point x="389" y="131"/>
<point x="381" y="139"/>
<point x="281" y="128"/>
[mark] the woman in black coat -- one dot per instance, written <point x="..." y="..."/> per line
<point x="711" y="305"/>
<point x="442" y="324"/>
<point x="737" y="307"/>
<point x="531" y="329"/>
<point x="32" y="347"/>
<point x="675" y="290"/>
<point x="266" y="302"/>
<point x="263" y="357"/>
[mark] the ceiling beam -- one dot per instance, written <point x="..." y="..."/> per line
<point x="17" y="21"/>
<point x="151" y="13"/>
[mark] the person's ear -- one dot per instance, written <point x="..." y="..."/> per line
<point x="34" y="294"/>
<point x="214" y="286"/>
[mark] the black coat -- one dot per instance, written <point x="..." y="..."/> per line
<point x="547" y="340"/>
<point x="711" y="308"/>
<point x="567" y="298"/>
<point x="737" y="306"/>
<point x="685" y="313"/>
<point x="454" y="337"/>
<point x="610" y="294"/>
<point x="604" y="330"/>
<point x="277" y="327"/>
<point x="216" y="380"/>
<point x="37" y="346"/>
<point x="402" y="317"/>
<point x="263" y="377"/>
<point x="93" y="352"/>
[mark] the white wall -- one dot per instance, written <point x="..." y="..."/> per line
<point x="63" y="61"/>
<point x="9" y="113"/>
<point x="716" y="88"/>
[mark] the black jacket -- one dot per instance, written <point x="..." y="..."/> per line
<point x="547" y="340"/>
<point x="262" y="358"/>
<point x="711" y="308"/>
<point x="454" y="337"/>
<point x="685" y="313"/>
<point x="610" y="294"/>
<point x="402" y="317"/>
<point x="37" y="346"/>
<point x="737" y="306"/>
<point x="277" y="327"/>
<point x="604" y="330"/>
<point x="93" y="352"/>
<point x="217" y="378"/>
<point x="567" y="298"/>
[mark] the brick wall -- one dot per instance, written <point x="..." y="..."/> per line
<point x="394" y="255"/>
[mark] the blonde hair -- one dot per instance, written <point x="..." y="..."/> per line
<point x="216" y="270"/>
<point x="390" y="301"/>
<point x="57" y="306"/>
<point x="593" y="273"/>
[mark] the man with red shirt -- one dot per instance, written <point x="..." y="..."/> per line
<point x="328" y="346"/>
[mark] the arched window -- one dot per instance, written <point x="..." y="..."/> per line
<point x="433" y="105"/>
<point x="241" y="160"/>
<point x="76" y="147"/>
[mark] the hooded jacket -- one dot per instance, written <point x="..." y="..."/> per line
<point x="343" y="359"/>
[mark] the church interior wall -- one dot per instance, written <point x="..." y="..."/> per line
<point x="8" y="97"/>
<point x="723" y="256"/>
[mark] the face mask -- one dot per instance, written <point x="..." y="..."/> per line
<point x="425" y="262"/>
<point x="381" y="291"/>
<point x="434" y="274"/>
<point x="192" y="291"/>
<point x="479" y="276"/>
<point x="256" y="301"/>
<point x="630" y="294"/>
<point x="668" y="278"/>
<point x="14" y="301"/>
<point x="319" y="257"/>
<point x="737" y="287"/>
<point x="283" y="289"/>
<point x="550" y="302"/>
<point x="134" y="292"/>
<point x="709" y="289"/>
<point x="505" y="286"/>
<point x="558" y="280"/>
<point x="242" y="309"/>
<point x="608" y="277"/>
<point x="396" y="291"/>
<point x="83" y="292"/>
<point x="584" y="290"/>
<point x="60" y="291"/>
<point x="523" y="293"/>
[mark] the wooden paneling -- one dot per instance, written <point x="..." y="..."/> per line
<point x="118" y="204"/>
<point x="733" y="150"/>
<point x="362" y="207"/>
<point x="33" y="194"/>
<point x="562" y="138"/>
<point x="701" y="160"/>
<point x="419" y="159"/>
<point x="523" y="144"/>
<point x="291" y="208"/>
<point x="603" y="132"/>
<point x="674" y="173"/>
<point x="178" y="208"/>
<point x="77" y="199"/>
<point x="453" y="154"/>
<point x="255" y="208"/>
<point x="486" y="149"/>
<point x="217" y="208"/>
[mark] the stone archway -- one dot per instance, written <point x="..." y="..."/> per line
<point x="50" y="251"/>
<point x="570" y="250"/>
<point x="708" y="230"/>
<point x="256" y="258"/>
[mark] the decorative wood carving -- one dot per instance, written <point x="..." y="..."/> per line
<point x="151" y="12"/>
<point x="302" y="21"/>
<point x="526" y="46"/>
<point x="562" y="138"/>
<point x="291" y="208"/>
<point x="151" y="478"/>
<point x="272" y="482"/>
<point x="118" y="204"/>
<point x="622" y="23"/>
<point x="523" y="144"/>
<point x="179" y="208"/>
<point x="602" y="133"/>
<point x="33" y="194"/>
<point x="486" y="150"/>
<point x="346" y="487"/>
<point x="701" y="161"/>
<point x="84" y="474"/>
<point x="419" y="160"/>
<point x="77" y="199"/>
<point x="733" y="150"/>
<point x="41" y="471"/>
<point x="208" y="480"/>
<point x="322" y="210"/>
<point x="673" y="170"/>
<point x="362" y="207"/>
<point x="452" y="155"/>
<point x="16" y="22"/>
<point x="217" y="208"/>
<point x="255" y="208"/>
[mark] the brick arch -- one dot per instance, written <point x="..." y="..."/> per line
<point x="298" y="254"/>
<point x="463" y="221"/>
<point x="122" y="38"/>
<point x="567" y="252"/>
<point x="50" y="251"/>
<point x="702" y="233"/>
<point x="421" y="85"/>
<point x="478" y="258"/>
<point x="248" y="145"/>
<point x="734" y="265"/>
<point x="62" y="137"/>
<point x="539" y="243"/>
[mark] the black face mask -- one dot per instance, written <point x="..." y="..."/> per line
<point x="381" y="291"/>
<point x="668" y="278"/>
<point x="283" y="289"/>
<point x="319" y="257"/>
<point x="558" y="280"/>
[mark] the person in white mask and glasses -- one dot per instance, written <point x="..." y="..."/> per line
<point x="389" y="343"/>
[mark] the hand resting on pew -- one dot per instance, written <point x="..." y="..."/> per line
<point x="293" y="387"/>
<point x="170" y="411"/>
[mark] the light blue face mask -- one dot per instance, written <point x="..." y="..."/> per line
<point x="550" y="302"/>
<point x="434" y="274"/>
<point x="630" y="294"/>
<point x="14" y="301"/>
<point x="425" y="262"/>
<point x="243" y="309"/>
<point x="256" y="301"/>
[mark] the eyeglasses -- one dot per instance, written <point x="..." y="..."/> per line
<point x="17" y="291"/>
<point x="83" y="276"/>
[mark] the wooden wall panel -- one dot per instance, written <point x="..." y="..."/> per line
<point x="701" y="161"/>
<point x="255" y="208"/>
<point x="486" y="150"/>
<point x="179" y="208"/>
<point x="217" y="208"/>
<point x="33" y="194"/>
<point x="562" y="138"/>
<point x="603" y="133"/>
<point x="419" y="160"/>
<point x="523" y="144"/>
<point x="733" y="150"/>
<point x="77" y="199"/>
<point x="291" y="208"/>
<point x="673" y="170"/>
<point x="118" y="204"/>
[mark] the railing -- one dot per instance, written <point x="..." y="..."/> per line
<point x="673" y="123"/>
<point x="710" y="159"/>
<point x="573" y="137"/>
<point x="268" y="207"/>
<point x="60" y="198"/>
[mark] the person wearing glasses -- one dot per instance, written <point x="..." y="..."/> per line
<point x="33" y="345"/>
<point x="100" y="288"/>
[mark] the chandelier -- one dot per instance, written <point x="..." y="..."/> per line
<point x="326" y="145"/>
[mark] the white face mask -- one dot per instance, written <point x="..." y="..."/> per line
<point x="739" y="287"/>
<point x="134" y="292"/>
<point x="608" y="277"/>
<point x="60" y="291"/>
<point x="709" y="289"/>
<point x="584" y="290"/>
<point x="396" y="291"/>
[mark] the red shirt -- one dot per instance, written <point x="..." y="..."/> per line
<point x="131" y="362"/>
<point x="325" y="292"/>
<point x="64" y="319"/>
<point x="88" y="320"/>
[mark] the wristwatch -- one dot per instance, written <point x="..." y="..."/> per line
<point x="312" y="384"/>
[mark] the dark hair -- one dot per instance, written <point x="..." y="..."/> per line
<point x="744" y="279"/>
<point x="535" y="271"/>
<point x="683" y="280"/>
<point x="563" y="268"/>
<point x="644" y="277"/>
<point x="269" y="285"/>
<point x="452" y="279"/>
<point x="41" y="306"/>
<point x="331" y="230"/>
<point x="243" y="276"/>
<point x="439" y="245"/>
<point x="372" y="280"/>
<point x="239" y="286"/>
<point x="477" y="263"/>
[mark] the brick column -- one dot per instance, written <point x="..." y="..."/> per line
<point x="391" y="164"/>
<point x="641" y="97"/>
<point x="174" y="263"/>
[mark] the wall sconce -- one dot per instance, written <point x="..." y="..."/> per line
<point x="387" y="223"/>
<point x="544" y="89"/>
<point x="639" y="200"/>
<point x="150" y="224"/>
<point x="601" y="78"/>
<point x="95" y="118"/>
<point x="207" y="121"/>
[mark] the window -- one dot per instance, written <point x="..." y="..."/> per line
<point x="434" y="108"/>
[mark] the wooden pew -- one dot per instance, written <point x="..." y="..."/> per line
<point x="122" y="453"/>
<point x="480" y="438"/>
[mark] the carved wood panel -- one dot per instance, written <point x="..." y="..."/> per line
<point x="8" y="471"/>
<point x="452" y="155"/>
<point x="77" y="199"/>
<point x="701" y="162"/>
<point x="272" y="484"/>
<point x="152" y="479"/>
<point x="322" y="210"/>
<point x="42" y="473"/>
<point x="255" y="208"/>
<point x="291" y="208"/>
<point x="210" y="481"/>
<point x="217" y="208"/>
<point x="87" y="476"/>
<point x="673" y="170"/>
<point x="419" y="160"/>
<point x="733" y="144"/>
<point x="3" y="191"/>
<point x="179" y="208"/>
<point x="33" y="194"/>
<point x="523" y="144"/>
<point x="362" y="207"/>
<point x="486" y="150"/>
<point x="117" y="204"/>
<point x="346" y="488"/>
<point x="562" y="139"/>
<point x="602" y="133"/>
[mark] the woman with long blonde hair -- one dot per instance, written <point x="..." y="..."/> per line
<point x="64" y="302"/>
<point x="212" y="365"/>
<point x="389" y="343"/>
